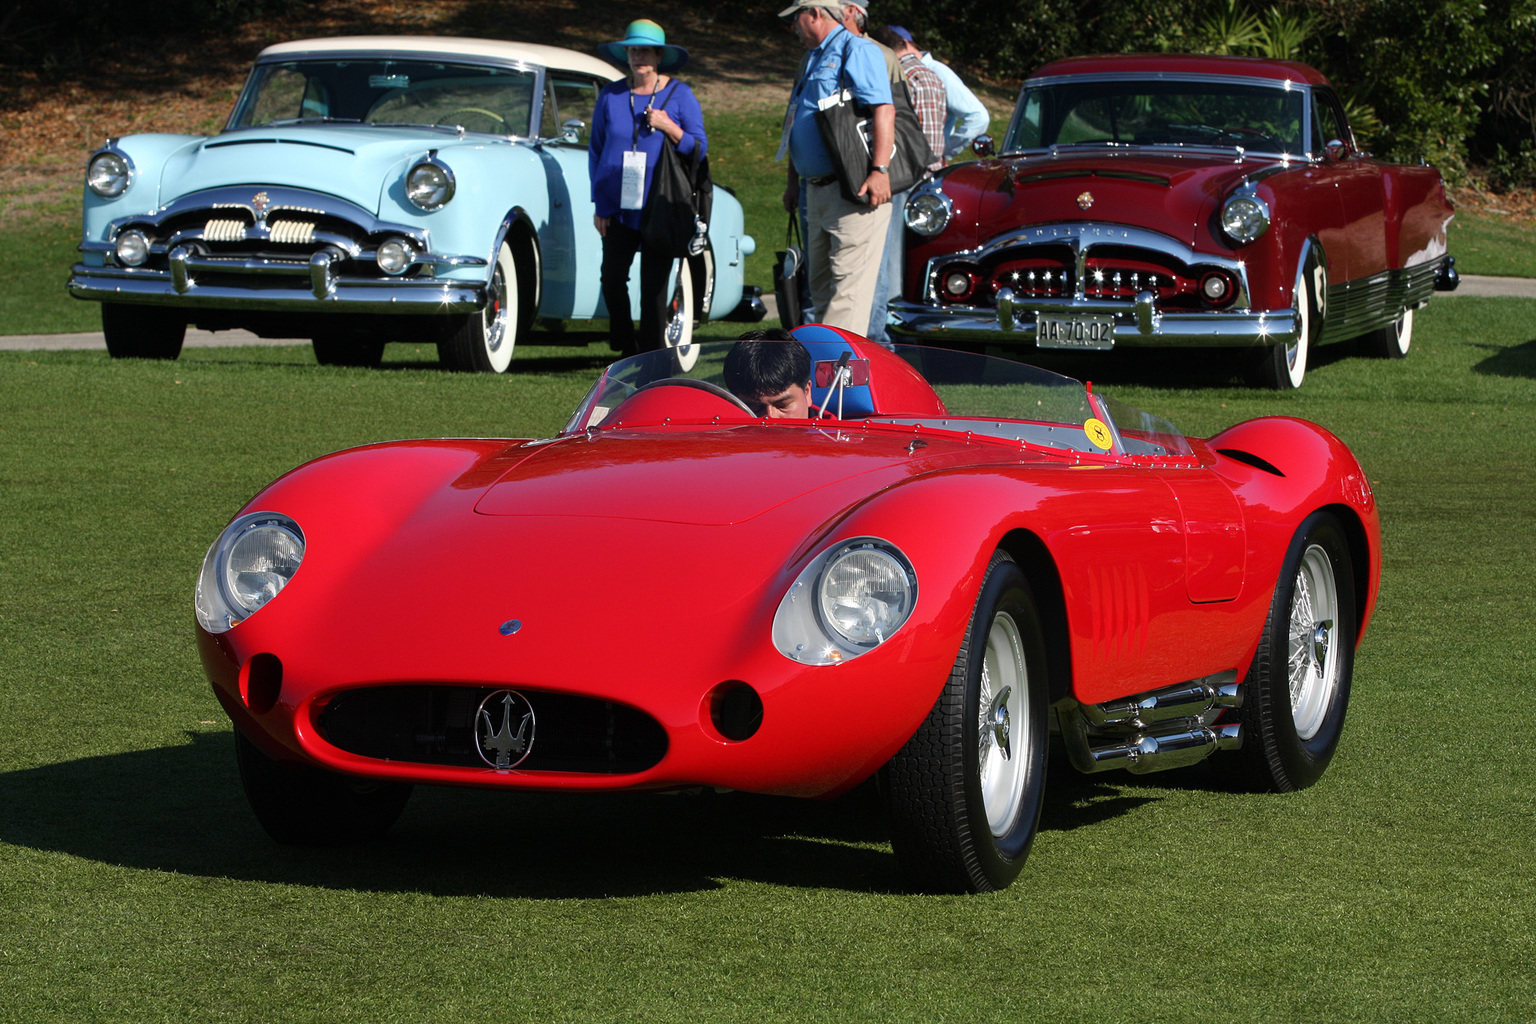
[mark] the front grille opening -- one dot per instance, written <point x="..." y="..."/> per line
<point x="435" y="725"/>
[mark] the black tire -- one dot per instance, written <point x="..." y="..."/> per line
<point x="1297" y="690"/>
<point x="142" y="332"/>
<point x="301" y="805"/>
<point x="1284" y="367"/>
<point x="1391" y="341"/>
<point x="342" y="347"/>
<point x="483" y="342"/>
<point x="963" y="798"/>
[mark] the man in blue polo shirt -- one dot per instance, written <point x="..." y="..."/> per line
<point x="844" y="240"/>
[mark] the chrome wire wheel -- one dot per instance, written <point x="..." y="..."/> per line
<point x="964" y="794"/>
<point x="1312" y="664"/>
<point x="1002" y="755"/>
<point x="1296" y="692"/>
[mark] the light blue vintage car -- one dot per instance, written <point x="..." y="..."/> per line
<point x="374" y="189"/>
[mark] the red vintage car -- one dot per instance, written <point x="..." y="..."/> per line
<point x="959" y="562"/>
<point x="1173" y="201"/>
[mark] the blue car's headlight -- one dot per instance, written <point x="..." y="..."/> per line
<point x="430" y="184"/>
<point x="850" y="599"/>
<point x="108" y="174"/>
<point x="252" y="561"/>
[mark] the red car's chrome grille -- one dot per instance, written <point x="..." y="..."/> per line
<point x="1113" y="274"/>
<point x="436" y="725"/>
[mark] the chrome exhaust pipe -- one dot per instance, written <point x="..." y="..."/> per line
<point x="1151" y="732"/>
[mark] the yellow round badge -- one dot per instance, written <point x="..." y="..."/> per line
<point x="1098" y="432"/>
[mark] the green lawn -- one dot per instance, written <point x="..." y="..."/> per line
<point x="138" y="887"/>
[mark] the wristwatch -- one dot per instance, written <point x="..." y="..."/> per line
<point x="882" y="168"/>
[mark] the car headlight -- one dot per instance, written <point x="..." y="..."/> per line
<point x="928" y="212"/>
<point x="850" y="599"/>
<point x="107" y="174"/>
<point x="395" y="255"/>
<point x="132" y="248"/>
<point x="1244" y="218"/>
<point x="429" y="184"/>
<point x="252" y="561"/>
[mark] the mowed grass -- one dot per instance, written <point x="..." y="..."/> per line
<point x="138" y="887"/>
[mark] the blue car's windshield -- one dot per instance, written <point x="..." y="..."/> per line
<point x="953" y="391"/>
<point x="388" y="91"/>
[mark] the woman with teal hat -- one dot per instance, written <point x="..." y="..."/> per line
<point x="633" y="117"/>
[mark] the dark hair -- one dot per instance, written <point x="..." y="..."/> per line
<point x="885" y="37"/>
<point x="762" y="364"/>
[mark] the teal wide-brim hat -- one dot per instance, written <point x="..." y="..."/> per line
<point x="644" y="32"/>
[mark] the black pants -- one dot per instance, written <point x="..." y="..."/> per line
<point x="619" y="247"/>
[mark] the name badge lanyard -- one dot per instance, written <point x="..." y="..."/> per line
<point x="632" y="182"/>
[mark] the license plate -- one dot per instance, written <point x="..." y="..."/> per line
<point x="1091" y="332"/>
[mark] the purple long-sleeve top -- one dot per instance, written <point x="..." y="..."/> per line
<point x="619" y="124"/>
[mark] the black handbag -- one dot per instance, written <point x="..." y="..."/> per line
<point x="789" y="276"/>
<point x="847" y="128"/>
<point x="676" y="215"/>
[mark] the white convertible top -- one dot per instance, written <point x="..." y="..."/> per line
<point x="449" y="46"/>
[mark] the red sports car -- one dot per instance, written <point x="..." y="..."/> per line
<point x="1172" y="201"/>
<point x="957" y="562"/>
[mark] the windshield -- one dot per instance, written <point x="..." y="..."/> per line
<point x="388" y="91"/>
<point x="1100" y="112"/>
<point x="910" y="387"/>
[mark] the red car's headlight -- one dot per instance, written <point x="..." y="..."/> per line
<point x="252" y="561"/>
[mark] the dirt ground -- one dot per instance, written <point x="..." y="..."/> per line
<point x="53" y="115"/>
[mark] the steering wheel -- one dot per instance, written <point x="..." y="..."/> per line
<point x="452" y="114"/>
<point x="698" y="385"/>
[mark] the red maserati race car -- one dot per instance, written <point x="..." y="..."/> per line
<point x="954" y="562"/>
<point x="1170" y="201"/>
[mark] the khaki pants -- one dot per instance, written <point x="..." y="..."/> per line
<point x="843" y="246"/>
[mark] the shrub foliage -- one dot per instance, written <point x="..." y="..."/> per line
<point x="1452" y="82"/>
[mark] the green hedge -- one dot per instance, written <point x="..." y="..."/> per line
<point x="1452" y="82"/>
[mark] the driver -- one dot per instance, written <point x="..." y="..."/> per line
<point x="773" y="378"/>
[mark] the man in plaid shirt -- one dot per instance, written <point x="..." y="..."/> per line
<point x="924" y="87"/>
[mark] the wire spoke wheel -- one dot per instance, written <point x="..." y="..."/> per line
<point x="964" y="793"/>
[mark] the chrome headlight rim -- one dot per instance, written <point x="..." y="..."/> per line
<point x="928" y="211"/>
<point x="220" y="603"/>
<point x="430" y="184"/>
<point x="109" y="172"/>
<point x="802" y="630"/>
<point x="1245" y="217"/>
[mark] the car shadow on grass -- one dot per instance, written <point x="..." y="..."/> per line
<point x="1512" y="361"/>
<point x="181" y="809"/>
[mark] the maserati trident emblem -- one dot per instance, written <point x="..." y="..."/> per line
<point x="504" y="729"/>
<point x="1085" y="200"/>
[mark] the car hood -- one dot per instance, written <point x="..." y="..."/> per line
<point x="354" y="163"/>
<point x="708" y="477"/>
<point x="1175" y="194"/>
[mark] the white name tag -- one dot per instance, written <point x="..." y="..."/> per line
<point x="632" y="184"/>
